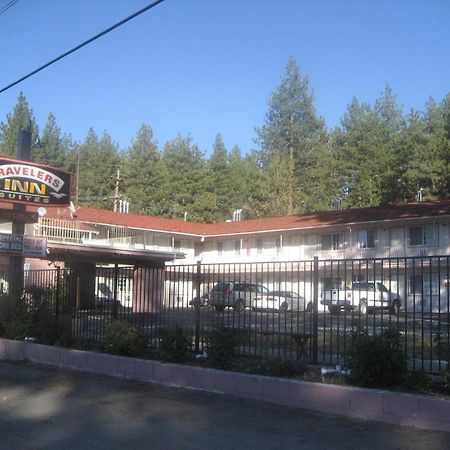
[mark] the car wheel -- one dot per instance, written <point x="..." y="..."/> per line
<point x="363" y="307"/>
<point x="219" y="308"/>
<point x="239" y="305"/>
<point x="395" y="308"/>
<point x="283" y="307"/>
<point x="334" y="309"/>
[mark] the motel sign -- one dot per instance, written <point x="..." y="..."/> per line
<point x="30" y="183"/>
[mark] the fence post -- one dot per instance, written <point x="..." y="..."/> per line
<point x="197" y="307"/>
<point x="58" y="288"/>
<point x="78" y="296"/>
<point x="116" y="282"/>
<point x="315" y="308"/>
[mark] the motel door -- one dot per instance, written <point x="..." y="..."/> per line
<point x="397" y="241"/>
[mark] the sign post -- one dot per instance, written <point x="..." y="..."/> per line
<point x="16" y="262"/>
<point x="25" y="183"/>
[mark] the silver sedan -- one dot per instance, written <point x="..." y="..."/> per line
<point x="282" y="301"/>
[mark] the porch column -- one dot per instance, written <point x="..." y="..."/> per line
<point x="148" y="289"/>
<point x="82" y="285"/>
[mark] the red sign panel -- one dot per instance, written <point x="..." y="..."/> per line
<point x="19" y="216"/>
<point x="30" y="183"/>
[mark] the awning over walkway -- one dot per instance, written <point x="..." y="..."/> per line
<point x="79" y="253"/>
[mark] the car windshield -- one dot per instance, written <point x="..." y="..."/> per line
<point x="363" y="286"/>
<point x="281" y="293"/>
<point x="221" y="286"/>
<point x="104" y="290"/>
<point x="261" y="289"/>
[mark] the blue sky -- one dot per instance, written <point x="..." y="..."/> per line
<point x="209" y="66"/>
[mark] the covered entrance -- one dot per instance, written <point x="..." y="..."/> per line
<point x="95" y="274"/>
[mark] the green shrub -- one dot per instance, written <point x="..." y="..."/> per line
<point x="417" y="382"/>
<point x="446" y="381"/>
<point x="378" y="361"/>
<point x="123" y="338"/>
<point x="442" y="346"/>
<point x="32" y="316"/>
<point x="222" y="342"/>
<point x="277" y="367"/>
<point x="174" y="344"/>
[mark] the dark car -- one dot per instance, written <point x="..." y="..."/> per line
<point x="236" y="295"/>
<point x="104" y="297"/>
<point x="200" y="301"/>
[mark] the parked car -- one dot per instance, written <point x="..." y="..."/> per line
<point x="362" y="296"/>
<point x="235" y="295"/>
<point x="282" y="301"/>
<point x="104" y="298"/>
<point x="200" y="301"/>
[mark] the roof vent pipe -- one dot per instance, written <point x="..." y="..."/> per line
<point x="419" y="196"/>
<point x="124" y="206"/>
<point x="237" y="215"/>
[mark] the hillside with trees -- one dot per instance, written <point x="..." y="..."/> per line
<point x="378" y="155"/>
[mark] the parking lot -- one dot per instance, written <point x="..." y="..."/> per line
<point x="45" y="408"/>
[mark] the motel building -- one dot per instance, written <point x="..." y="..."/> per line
<point x="407" y="246"/>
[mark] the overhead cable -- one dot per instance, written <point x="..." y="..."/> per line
<point x="5" y="8"/>
<point x="83" y="44"/>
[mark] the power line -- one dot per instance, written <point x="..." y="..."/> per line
<point x="5" y="8"/>
<point x="83" y="44"/>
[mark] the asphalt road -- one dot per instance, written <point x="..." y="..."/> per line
<point x="45" y="408"/>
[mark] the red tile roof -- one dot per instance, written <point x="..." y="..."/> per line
<point x="321" y="219"/>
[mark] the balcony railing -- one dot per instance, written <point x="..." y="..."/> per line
<point x="127" y="238"/>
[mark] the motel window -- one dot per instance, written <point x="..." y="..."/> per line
<point x="268" y="245"/>
<point x="197" y="248"/>
<point x="425" y="284"/>
<point x="333" y="241"/>
<point x="229" y="247"/>
<point x="331" y="283"/>
<point x="423" y="235"/>
<point x="122" y="283"/>
<point x="366" y="238"/>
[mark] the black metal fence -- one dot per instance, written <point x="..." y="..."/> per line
<point x="292" y="310"/>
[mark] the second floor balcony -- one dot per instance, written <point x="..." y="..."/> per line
<point x="130" y="238"/>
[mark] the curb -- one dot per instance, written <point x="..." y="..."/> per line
<point x="417" y="411"/>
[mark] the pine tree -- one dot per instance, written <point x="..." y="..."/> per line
<point x="184" y="175"/>
<point x="219" y="180"/>
<point x="289" y="140"/>
<point x="98" y="161"/>
<point x="366" y="148"/>
<point x="54" y="147"/>
<point x="427" y="142"/>
<point x="141" y="173"/>
<point x="20" y="119"/>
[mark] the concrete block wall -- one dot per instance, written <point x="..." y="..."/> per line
<point x="423" y="412"/>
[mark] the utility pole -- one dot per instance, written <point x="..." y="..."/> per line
<point x="291" y="170"/>
<point x="116" y="190"/>
<point x="16" y="262"/>
<point x="77" y="185"/>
